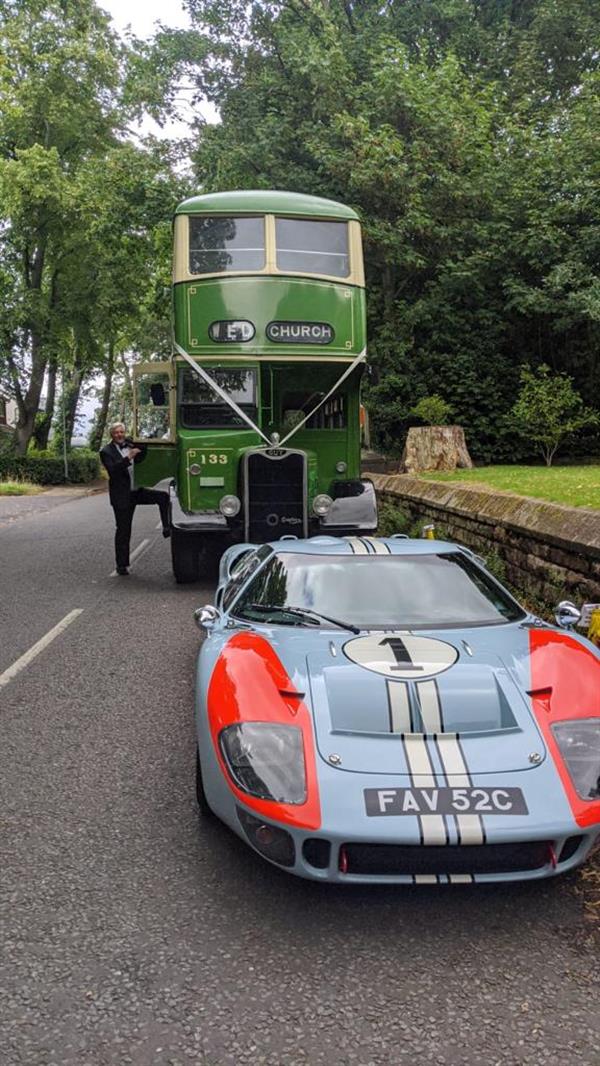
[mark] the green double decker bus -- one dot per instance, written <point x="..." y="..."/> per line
<point x="256" y="419"/>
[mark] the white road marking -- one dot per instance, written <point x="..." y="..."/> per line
<point x="158" y="525"/>
<point x="25" y="659"/>
<point x="135" y="554"/>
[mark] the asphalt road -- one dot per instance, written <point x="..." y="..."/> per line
<point x="129" y="934"/>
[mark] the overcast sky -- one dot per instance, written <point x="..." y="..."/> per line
<point x="141" y="15"/>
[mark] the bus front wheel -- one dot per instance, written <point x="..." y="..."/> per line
<point x="185" y="557"/>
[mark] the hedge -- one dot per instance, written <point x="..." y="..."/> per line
<point x="49" y="470"/>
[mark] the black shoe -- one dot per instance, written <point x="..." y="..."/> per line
<point x="166" y="531"/>
<point x="122" y="571"/>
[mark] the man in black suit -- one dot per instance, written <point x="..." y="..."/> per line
<point x="119" y="457"/>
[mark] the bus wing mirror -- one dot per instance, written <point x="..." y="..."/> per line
<point x="157" y="394"/>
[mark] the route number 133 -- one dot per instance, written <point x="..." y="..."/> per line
<point x="212" y="458"/>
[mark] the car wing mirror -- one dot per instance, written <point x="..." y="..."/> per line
<point x="207" y="616"/>
<point x="567" y="614"/>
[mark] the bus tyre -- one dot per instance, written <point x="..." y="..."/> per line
<point x="185" y="557"/>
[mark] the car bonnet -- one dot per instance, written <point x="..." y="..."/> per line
<point x="368" y="691"/>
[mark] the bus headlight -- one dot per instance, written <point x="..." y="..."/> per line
<point x="321" y="504"/>
<point x="229" y="506"/>
<point x="341" y="467"/>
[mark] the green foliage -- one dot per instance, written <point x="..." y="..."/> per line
<point x="433" y="410"/>
<point x="573" y="485"/>
<point x="548" y="409"/>
<point x="49" y="470"/>
<point x="392" y="519"/>
<point x="84" y="214"/>
<point x="18" y="488"/>
<point x="465" y="134"/>
<point x="496" y="566"/>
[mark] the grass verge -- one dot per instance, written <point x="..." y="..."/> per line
<point x="19" y="488"/>
<point x="574" y="486"/>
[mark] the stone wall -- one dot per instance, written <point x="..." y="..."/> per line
<point x="551" y="550"/>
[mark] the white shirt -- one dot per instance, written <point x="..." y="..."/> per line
<point x="124" y="450"/>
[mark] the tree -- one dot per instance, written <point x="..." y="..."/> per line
<point x="465" y="134"/>
<point x="548" y="409"/>
<point x="82" y="213"/>
<point x="58" y="76"/>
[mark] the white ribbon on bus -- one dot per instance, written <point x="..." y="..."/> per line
<point x="360" y="358"/>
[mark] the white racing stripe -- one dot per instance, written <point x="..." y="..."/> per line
<point x="470" y="826"/>
<point x="433" y="826"/>
<point x="378" y="547"/>
<point x="357" y="546"/>
<point x="25" y="659"/>
<point x="399" y="707"/>
<point x="135" y="554"/>
<point x="431" y="711"/>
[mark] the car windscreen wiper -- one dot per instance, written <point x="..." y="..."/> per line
<point x="304" y="612"/>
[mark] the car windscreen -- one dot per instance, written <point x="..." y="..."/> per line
<point x="393" y="591"/>
<point x="200" y="406"/>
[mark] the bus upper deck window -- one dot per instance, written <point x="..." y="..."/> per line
<point x="310" y="247"/>
<point x="220" y="244"/>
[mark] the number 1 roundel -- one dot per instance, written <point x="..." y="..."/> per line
<point x="401" y="656"/>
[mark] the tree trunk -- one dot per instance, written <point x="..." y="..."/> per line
<point x="42" y="430"/>
<point x="71" y="399"/>
<point x="28" y="405"/>
<point x="435" y="448"/>
<point x="126" y="393"/>
<point x="100" y="423"/>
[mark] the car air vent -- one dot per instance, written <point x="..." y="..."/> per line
<point x="317" y="852"/>
<point x="452" y="859"/>
<point x="569" y="848"/>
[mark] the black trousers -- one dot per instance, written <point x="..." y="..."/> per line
<point x="124" y="518"/>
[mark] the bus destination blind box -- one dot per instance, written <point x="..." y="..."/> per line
<point x="300" y="332"/>
<point x="236" y="331"/>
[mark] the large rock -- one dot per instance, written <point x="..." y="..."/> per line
<point x="435" y="448"/>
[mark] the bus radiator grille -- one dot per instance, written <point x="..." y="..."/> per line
<point x="275" y="495"/>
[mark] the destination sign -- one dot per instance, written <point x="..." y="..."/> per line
<point x="300" y="332"/>
<point x="234" y="331"/>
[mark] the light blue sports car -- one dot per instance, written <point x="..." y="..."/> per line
<point x="383" y="710"/>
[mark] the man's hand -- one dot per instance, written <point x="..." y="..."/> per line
<point x="133" y="452"/>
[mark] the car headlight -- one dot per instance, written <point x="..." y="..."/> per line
<point x="321" y="504"/>
<point x="229" y="506"/>
<point x="579" y="744"/>
<point x="266" y="760"/>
